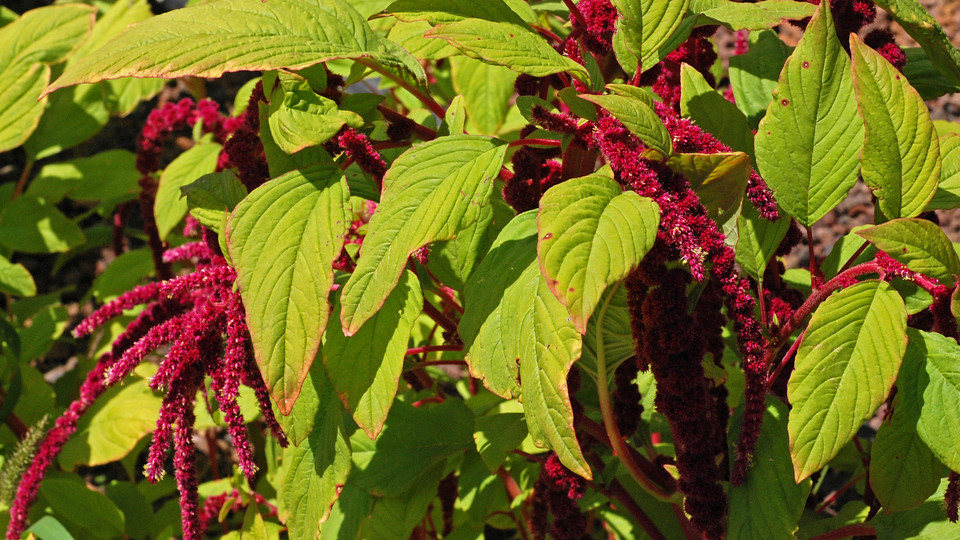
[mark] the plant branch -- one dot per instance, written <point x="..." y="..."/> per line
<point x="24" y="176"/>
<point x="440" y="318"/>
<point x="617" y="443"/>
<point x="427" y="100"/>
<point x="535" y="142"/>
<point x="617" y="492"/>
<point x="847" y="531"/>
<point x="421" y="130"/>
<point x="785" y="360"/>
<point x="830" y="499"/>
<point x="432" y="348"/>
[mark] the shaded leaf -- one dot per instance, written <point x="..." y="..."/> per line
<point x="712" y="112"/>
<point x="170" y="207"/>
<point x="31" y="225"/>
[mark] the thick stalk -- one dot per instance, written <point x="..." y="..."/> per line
<point x="617" y="443"/>
<point x="427" y="101"/>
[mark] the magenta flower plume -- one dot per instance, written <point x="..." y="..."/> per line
<point x="601" y="18"/>
<point x="357" y="146"/>
<point x="202" y="318"/>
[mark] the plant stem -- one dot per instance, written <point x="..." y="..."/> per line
<point x="440" y="318"/>
<point x="854" y="256"/>
<point x="784" y="361"/>
<point x="420" y="365"/>
<point x="847" y="531"/>
<point x="617" y="492"/>
<point x="537" y="142"/>
<point x="24" y="176"/>
<point x="421" y="130"/>
<point x="617" y="443"/>
<point x="513" y="491"/>
<point x="433" y="348"/>
<point x="575" y="13"/>
<point x="836" y="494"/>
<point x="427" y="100"/>
<point x="814" y="271"/>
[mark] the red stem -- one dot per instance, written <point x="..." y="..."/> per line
<point x="432" y="348"/>
<point x="784" y="361"/>
<point x="575" y="13"/>
<point x="419" y="365"/>
<point x="421" y="130"/>
<point x="426" y="99"/>
<point x="814" y="271"/>
<point x="847" y="531"/>
<point x="836" y="494"/>
<point x="538" y="142"/>
<point x="440" y="318"/>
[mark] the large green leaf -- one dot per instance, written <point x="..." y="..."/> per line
<point x="752" y="16"/>
<point x="845" y="367"/>
<point x="90" y="510"/>
<point x="453" y="261"/>
<point x="31" y="225"/>
<point x="919" y="244"/>
<point x="414" y="440"/>
<point x="314" y="472"/>
<point x="446" y="11"/>
<point x="519" y="338"/>
<point x="397" y="516"/>
<point x="768" y="503"/>
<point x="757" y="240"/>
<point x="947" y="195"/>
<point x="591" y="235"/>
<point x="486" y="91"/>
<point x="208" y="40"/>
<point x="283" y="239"/>
<point x="647" y="25"/>
<point x="927" y="522"/>
<point x="901" y="155"/>
<point x="936" y="383"/>
<point x="719" y="180"/>
<point x="212" y="197"/>
<point x="638" y="116"/>
<point x="16" y="279"/>
<point x="365" y="368"/>
<point x="712" y="112"/>
<point x="921" y="26"/>
<point x="754" y="74"/>
<point x="508" y="45"/>
<point x="488" y="324"/>
<point x="110" y="175"/>
<point x="300" y="118"/>
<point x="903" y="471"/>
<point x="171" y="207"/>
<point x="808" y="141"/>
<point x="432" y="191"/>
<point x="41" y="36"/>
<point x="612" y="325"/>
<point x="113" y="426"/>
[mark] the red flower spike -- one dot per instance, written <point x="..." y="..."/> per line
<point x="358" y="148"/>
<point x="601" y="18"/>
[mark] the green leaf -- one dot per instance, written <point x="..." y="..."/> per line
<point x="70" y="118"/>
<point x="212" y="197"/>
<point x="299" y="117"/>
<point x="113" y="426"/>
<point x="446" y="11"/>
<point x="947" y="195"/>
<point x="48" y="528"/>
<point x="901" y="155"/>
<point x="314" y="472"/>
<point x="486" y="91"/>
<point x="488" y="326"/>
<point x="769" y="503"/>
<point x="454" y="261"/>
<point x="754" y="16"/>
<point x="928" y="521"/>
<point x="646" y="26"/>
<point x="845" y="367"/>
<point x="124" y="273"/>
<point x="414" y="440"/>
<point x="396" y="516"/>
<point x="757" y="240"/>
<point x="719" y="179"/>
<point x="409" y="35"/>
<point x="638" y="116"/>
<point x="365" y="368"/>
<point x="16" y="279"/>
<point x="754" y="74"/>
<point x="712" y="112"/>
<point x="808" y="141"/>
<point x="924" y="75"/>
<point x="618" y="344"/>
<point x="287" y="34"/>
<point x="497" y="435"/>
<point x="283" y="238"/>
<point x="30" y="225"/>
<point x="170" y="207"/>
<point x="915" y="19"/>
<point x="919" y="244"/>
<point x="591" y="235"/>
<point x="432" y="191"/>
<point x="508" y="45"/>
<point x="512" y="321"/>
<point x="903" y="471"/>
<point x="20" y="111"/>
<point x="90" y="510"/>
<point x="46" y="326"/>
<point x="41" y="36"/>
<point x="107" y="176"/>
<point x="934" y="380"/>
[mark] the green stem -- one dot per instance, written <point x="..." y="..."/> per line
<point x="428" y="101"/>
<point x="619" y="446"/>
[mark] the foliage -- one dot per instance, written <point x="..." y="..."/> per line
<point x="460" y="269"/>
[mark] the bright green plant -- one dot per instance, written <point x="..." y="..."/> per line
<point x="455" y="267"/>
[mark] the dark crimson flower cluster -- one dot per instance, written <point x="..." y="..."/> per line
<point x="601" y="18"/>
<point x="668" y="341"/>
<point x="213" y="506"/>
<point x="556" y="493"/>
